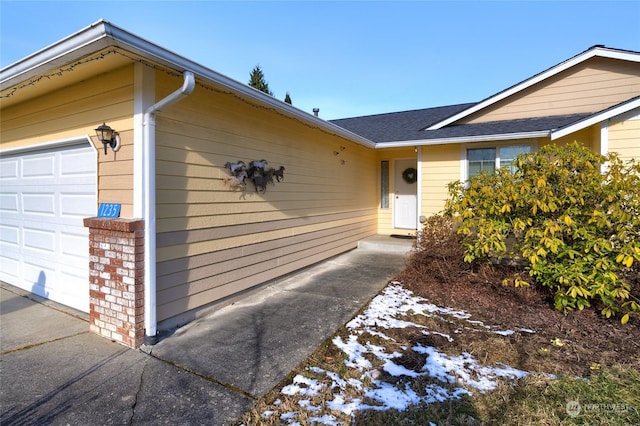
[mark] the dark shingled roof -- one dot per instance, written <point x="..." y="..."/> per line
<point x="410" y="125"/>
<point x="398" y="126"/>
<point x="522" y="125"/>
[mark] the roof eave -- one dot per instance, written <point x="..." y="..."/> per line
<point x="103" y="34"/>
<point x="596" y="118"/>
<point x="464" y="139"/>
<point x="75" y="46"/>
<point x="594" y="51"/>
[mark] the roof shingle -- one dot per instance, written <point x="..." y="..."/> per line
<point x="410" y="125"/>
<point x="398" y="126"/>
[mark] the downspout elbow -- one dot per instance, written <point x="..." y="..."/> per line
<point x="188" y="85"/>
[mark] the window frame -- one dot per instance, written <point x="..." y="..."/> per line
<point x="385" y="181"/>
<point x="464" y="149"/>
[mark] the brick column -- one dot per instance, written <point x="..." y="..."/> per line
<point x="116" y="279"/>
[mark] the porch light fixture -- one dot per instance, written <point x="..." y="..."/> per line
<point x="109" y="137"/>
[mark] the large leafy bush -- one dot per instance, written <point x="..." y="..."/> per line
<point x="570" y="215"/>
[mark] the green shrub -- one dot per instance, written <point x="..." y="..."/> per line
<point x="573" y="216"/>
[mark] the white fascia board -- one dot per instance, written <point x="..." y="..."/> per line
<point x="60" y="53"/>
<point x="597" y="51"/>
<point x="464" y="139"/>
<point x="596" y="118"/>
<point x="103" y="34"/>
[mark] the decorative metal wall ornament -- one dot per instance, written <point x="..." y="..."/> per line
<point x="256" y="172"/>
<point x="410" y="175"/>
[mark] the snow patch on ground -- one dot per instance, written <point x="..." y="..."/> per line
<point x="450" y="376"/>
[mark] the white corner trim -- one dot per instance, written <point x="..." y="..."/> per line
<point x="604" y="138"/>
<point x="143" y="98"/>
<point x="464" y="166"/>
<point x="604" y="144"/>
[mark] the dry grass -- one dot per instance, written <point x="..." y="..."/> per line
<point x="534" y="400"/>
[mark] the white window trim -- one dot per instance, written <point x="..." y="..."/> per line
<point x="464" y="163"/>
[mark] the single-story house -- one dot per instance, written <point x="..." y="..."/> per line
<point x="146" y="227"/>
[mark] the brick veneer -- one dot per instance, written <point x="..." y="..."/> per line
<point x="116" y="279"/>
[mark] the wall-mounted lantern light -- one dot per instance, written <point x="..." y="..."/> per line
<point x="109" y="137"/>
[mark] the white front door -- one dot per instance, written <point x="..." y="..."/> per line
<point x="44" y="246"/>
<point x="405" y="206"/>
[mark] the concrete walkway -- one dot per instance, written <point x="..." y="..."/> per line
<point x="53" y="371"/>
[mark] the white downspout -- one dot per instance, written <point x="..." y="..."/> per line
<point x="419" y="189"/>
<point x="149" y="188"/>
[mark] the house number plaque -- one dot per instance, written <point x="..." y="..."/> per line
<point x="109" y="210"/>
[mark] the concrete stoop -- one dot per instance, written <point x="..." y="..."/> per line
<point x="387" y="243"/>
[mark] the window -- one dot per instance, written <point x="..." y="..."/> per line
<point x="384" y="184"/>
<point x="481" y="160"/>
<point x="488" y="159"/>
<point x="509" y="153"/>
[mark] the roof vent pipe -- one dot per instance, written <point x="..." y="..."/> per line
<point x="149" y="205"/>
<point x="316" y="111"/>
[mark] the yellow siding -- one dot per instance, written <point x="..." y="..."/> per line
<point x="188" y="282"/>
<point x="590" y="87"/>
<point x="589" y="137"/>
<point x="440" y="166"/>
<point x="624" y="138"/>
<point x="385" y="220"/>
<point x="75" y="111"/>
<point x="385" y="216"/>
<point x="325" y="204"/>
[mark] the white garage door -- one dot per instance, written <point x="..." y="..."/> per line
<point x="44" y="247"/>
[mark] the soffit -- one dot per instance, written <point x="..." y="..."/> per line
<point x="59" y="77"/>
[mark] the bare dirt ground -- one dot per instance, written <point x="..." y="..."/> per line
<point x="574" y="344"/>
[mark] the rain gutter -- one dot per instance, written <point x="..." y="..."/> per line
<point x="464" y="139"/>
<point x="103" y="35"/>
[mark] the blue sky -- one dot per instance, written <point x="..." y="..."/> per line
<point x="348" y="58"/>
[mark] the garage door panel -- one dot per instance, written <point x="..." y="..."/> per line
<point x="70" y="224"/>
<point x="9" y="235"/>
<point x="10" y="266"/>
<point x="77" y="164"/>
<point x="40" y="240"/>
<point x="34" y="270"/>
<point x="9" y="171"/>
<point x="11" y="252"/>
<point x="44" y="196"/>
<point x="71" y="181"/>
<point x="78" y="205"/>
<point x="74" y="246"/>
<point x="38" y="166"/>
<point x="39" y="203"/>
<point x="8" y="202"/>
<point x="78" y="271"/>
<point x="77" y="292"/>
<point x="40" y="280"/>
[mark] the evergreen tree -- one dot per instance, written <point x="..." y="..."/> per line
<point x="287" y="99"/>
<point x="257" y="81"/>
